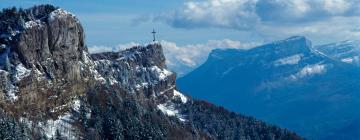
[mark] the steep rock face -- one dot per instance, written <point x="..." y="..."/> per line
<point x="44" y="60"/>
<point x="136" y="69"/>
<point x="142" y="71"/>
<point x="51" y="87"/>
<point x="282" y="82"/>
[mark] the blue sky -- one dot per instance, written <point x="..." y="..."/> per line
<point x="192" y="28"/>
<point x="113" y="22"/>
<point x="108" y="22"/>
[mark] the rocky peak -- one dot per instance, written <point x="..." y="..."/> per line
<point x="150" y="55"/>
<point x="44" y="59"/>
<point x="50" y="39"/>
<point x="136" y="69"/>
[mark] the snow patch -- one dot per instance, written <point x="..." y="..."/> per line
<point x="144" y="84"/>
<point x="2" y="46"/>
<point x="60" y="13"/>
<point x="63" y="124"/>
<point x="21" y="72"/>
<point x="162" y="73"/>
<point x="291" y="60"/>
<point x="351" y="60"/>
<point x="96" y="74"/>
<point x="76" y="105"/>
<point x="86" y="57"/>
<point x="347" y="60"/>
<point x="170" y="110"/>
<point x="32" y="24"/>
<point x="11" y="92"/>
<point x="113" y="81"/>
<point x="309" y="70"/>
<point x="181" y="96"/>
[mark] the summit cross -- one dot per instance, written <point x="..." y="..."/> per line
<point x="153" y="32"/>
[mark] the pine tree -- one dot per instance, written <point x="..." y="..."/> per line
<point x="83" y="115"/>
<point x="58" y="135"/>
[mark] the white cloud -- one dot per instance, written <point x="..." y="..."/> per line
<point x="237" y="14"/>
<point x="184" y="58"/>
<point x="100" y="49"/>
<point x="334" y="29"/>
<point x="337" y="6"/>
<point x="249" y="14"/>
<point x="126" y="46"/>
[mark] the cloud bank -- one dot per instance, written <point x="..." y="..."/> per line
<point x="238" y="14"/>
<point x="248" y="14"/>
<point x="321" y="20"/>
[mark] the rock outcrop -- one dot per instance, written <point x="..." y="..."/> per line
<point x="46" y="63"/>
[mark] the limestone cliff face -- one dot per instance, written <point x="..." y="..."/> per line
<point x="45" y="61"/>
<point x="54" y="46"/>
<point x="137" y="70"/>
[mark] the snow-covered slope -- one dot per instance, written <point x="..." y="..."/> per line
<point x="286" y="82"/>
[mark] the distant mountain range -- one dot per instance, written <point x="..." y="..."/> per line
<point x="312" y="90"/>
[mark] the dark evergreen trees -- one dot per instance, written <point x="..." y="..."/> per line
<point x="10" y="129"/>
<point x="12" y="20"/>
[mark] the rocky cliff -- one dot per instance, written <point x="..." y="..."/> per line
<point x="51" y="87"/>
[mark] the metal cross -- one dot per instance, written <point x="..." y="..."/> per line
<point x="153" y="32"/>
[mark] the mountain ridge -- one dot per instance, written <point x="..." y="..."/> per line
<point x="280" y="82"/>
